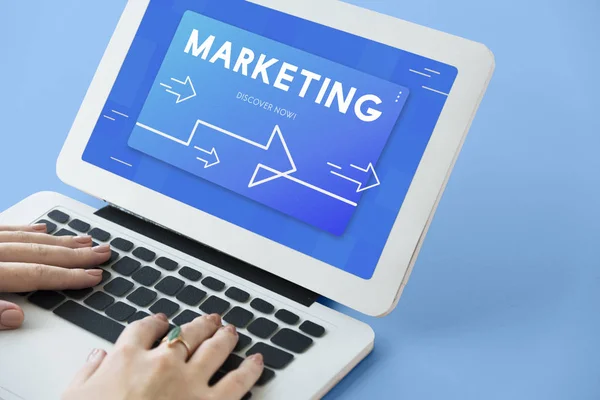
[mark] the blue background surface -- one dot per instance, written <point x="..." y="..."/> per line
<point x="504" y="302"/>
<point x="347" y="237"/>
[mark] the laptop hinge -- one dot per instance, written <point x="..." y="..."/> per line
<point x="208" y="254"/>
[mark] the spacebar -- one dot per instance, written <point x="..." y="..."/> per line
<point x="90" y="320"/>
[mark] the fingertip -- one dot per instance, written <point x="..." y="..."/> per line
<point x="11" y="318"/>
<point x="41" y="228"/>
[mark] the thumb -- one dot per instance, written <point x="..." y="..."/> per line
<point x="92" y="363"/>
<point x="11" y="316"/>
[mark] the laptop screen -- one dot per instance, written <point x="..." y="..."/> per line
<point x="303" y="134"/>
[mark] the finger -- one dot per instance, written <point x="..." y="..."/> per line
<point x="54" y="255"/>
<point x="73" y="242"/>
<point x="91" y="365"/>
<point x="25" y="228"/>
<point x="19" y="277"/>
<point x="11" y="316"/>
<point x="238" y="382"/>
<point x="214" y="351"/>
<point x="194" y="333"/>
<point x="144" y="332"/>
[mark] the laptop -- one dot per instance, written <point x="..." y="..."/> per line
<point x="253" y="157"/>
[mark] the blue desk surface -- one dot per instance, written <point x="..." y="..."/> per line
<point x="504" y="302"/>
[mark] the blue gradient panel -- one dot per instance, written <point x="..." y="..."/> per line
<point x="279" y="208"/>
<point x="220" y="116"/>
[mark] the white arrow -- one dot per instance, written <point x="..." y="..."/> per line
<point x="188" y="81"/>
<point x="360" y="186"/>
<point x="208" y="163"/>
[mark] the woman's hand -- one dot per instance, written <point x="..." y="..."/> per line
<point x="136" y="371"/>
<point x="32" y="260"/>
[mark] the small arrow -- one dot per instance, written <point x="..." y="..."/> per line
<point x="180" y="98"/>
<point x="209" y="162"/>
<point x="360" y="185"/>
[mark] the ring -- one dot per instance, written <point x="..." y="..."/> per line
<point x="175" y="336"/>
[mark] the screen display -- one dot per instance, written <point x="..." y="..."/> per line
<point x="303" y="134"/>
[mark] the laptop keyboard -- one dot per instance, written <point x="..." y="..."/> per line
<point x="134" y="286"/>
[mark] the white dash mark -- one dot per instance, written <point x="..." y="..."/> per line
<point x="432" y="71"/>
<point x="419" y="72"/>
<point x="167" y="86"/>
<point x="334" y="166"/>
<point x="120" y="113"/>
<point x="107" y="117"/>
<point x="121" y="161"/>
<point x="433" y="90"/>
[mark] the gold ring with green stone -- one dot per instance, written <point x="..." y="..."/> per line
<point x="175" y="336"/>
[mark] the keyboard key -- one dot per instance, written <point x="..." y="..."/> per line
<point x="79" y="225"/>
<point x="105" y="277"/>
<point x="120" y="311"/>
<point x="99" y="301"/>
<point x="137" y="316"/>
<point x="99" y="234"/>
<point x="238" y="317"/>
<point x="262" y="327"/>
<point x="46" y="299"/>
<point x="213" y="284"/>
<point x="58" y="216"/>
<point x="191" y="296"/>
<point x="190" y="273"/>
<point x="165" y="306"/>
<point x="185" y="317"/>
<point x="118" y="286"/>
<point x="312" y="329"/>
<point x="237" y="294"/>
<point x="113" y="257"/>
<point x="78" y="294"/>
<point x="142" y="297"/>
<point x="265" y="377"/>
<point x="122" y="244"/>
<point x="287" y="317"/>
<point x="166" y="263"/>
<point x="50" y="226"/>
<point x="126" y="266"/>
<point x="243" y="342"/>
<point x="169" y="286"/>
<point x="216" y="378"/>
<point x="232" y="362"/>
<point x="144" y="254"/>
<point x="262" y="306"/>
<point x="65" y="232"/>
<point x="292" y="340"/>
<point x="89" y="320"/>
<point x="214" y="305"/>
<point x="274" y="357"/>
<point x="146" y="276"/>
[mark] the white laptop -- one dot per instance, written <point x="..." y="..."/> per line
<point x="253" y="156"/>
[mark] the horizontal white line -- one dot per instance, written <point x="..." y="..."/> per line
<point x="419" y="72"/>
<point x="318" y="189"/>
<point x="433" y="90"/>
<point x="334" y="166"/>
<point x="167" y="86"/>
<point x="432" y="71"/>
<point x="107" y="117"/>
<point x="120" y="113"/>
<point x="121" y="161"/>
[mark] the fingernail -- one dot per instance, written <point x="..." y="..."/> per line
<point x="231" y="329"/>
<point x="95" y="355"/>
<point x="161" y="316"/>
<point x="39" y="227"/>
<point x="83" y="239"/>
<point x="11" y="318"/>
<point x="216" y="318"/>
<point x="257" y="359"/>
<point x="94" y="272"/>
<point x="104" y="248"/>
